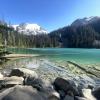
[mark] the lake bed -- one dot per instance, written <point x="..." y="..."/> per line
<point x="53" y="62"/>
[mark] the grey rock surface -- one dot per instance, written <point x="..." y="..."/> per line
<point x="67" y="97"/>
<point x="23" y="72"/>
<point x="21" y="93"/>
<point x="11" y="81"/>
<point x="87" y="93"/>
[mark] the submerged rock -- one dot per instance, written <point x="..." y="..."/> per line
<point x="85" y="82"/>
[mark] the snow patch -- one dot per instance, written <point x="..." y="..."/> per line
<point x="29" y="29"/>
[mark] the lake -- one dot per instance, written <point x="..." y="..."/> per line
<point x="61" y="55"/>
<point x="52" y="62"/>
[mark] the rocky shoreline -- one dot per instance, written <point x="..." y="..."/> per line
<point x="26" y="84"/>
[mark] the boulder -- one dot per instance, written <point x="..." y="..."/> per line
<point x="67" y="97"/>
<point x="66" y="86"/>
<point x="23" y="72"/>
<point x="88" y="94"/>
<point x="36" y="83"/>
<point x="1" y="76"/>
<point x="53" y="97"/>
<point x="22" y="93"/>
<point x="96" y="93"/>
<point x="62" y="94"/>
<point x="6" y="72"/>
<point x="42" y="86"/>
<point x="11" y="81"/>
<point x="80" y="98"/>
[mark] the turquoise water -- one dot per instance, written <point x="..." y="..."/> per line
<point x="61" y="55"/>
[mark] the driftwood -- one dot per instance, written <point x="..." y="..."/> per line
<point x="83" y="69"/>
<point x="96" y="69"/>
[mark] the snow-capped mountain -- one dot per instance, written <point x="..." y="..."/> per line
<point x="29" y="29"/>
<point x="85" y="21"/>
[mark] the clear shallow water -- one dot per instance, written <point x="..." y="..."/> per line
<point x="62" y="55"/>
<point x="49" y="64"/>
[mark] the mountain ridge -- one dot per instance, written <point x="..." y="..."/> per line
<point x="29" y="29"/>
<point x="85" y="21"/>
<point x="82" y="36"/>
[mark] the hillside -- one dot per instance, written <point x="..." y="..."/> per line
<point x="23" y="38"/>
<point x="82" y="33"/>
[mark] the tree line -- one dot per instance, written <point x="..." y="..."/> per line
<point x="87" y="36"/>
<point x="84" y="36"/>
<point x="15" y="39"/>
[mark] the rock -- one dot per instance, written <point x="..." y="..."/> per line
<point x="64" y="85"/>
<point x="55" y="95"/>
<point x="85" y="82"/>
<point x="96" y="93"/>
<point x="52" y="97"/>
<point x="62" y="94"/>
<point x="1" y="76"/>
<point x="88" y="94"/>
<point x="83" y="85"/>
<point x="90" y="86"/>
<point x="67" y="97"/>
<point x="39" y="84"/>
<point x="36" y="83"/>
<point x="42" y="86"/>
<point x="22" y="93"/>
<point x="80" y="98"/>
<point x="6" y="72"/>
<point x="23" y="72"/>
<point x="11" y="81"/>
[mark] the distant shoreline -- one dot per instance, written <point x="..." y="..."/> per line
<point x="16" y="56"/>
<point x="49" y="47"/>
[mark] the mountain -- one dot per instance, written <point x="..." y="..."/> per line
<point x="17" y="39"/>
<point x="82" y="33"/>
<point x="85" y="21"/>
<point x="29" y="29"/>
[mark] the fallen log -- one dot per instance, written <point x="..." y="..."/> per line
<point x="83" y="69"/>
